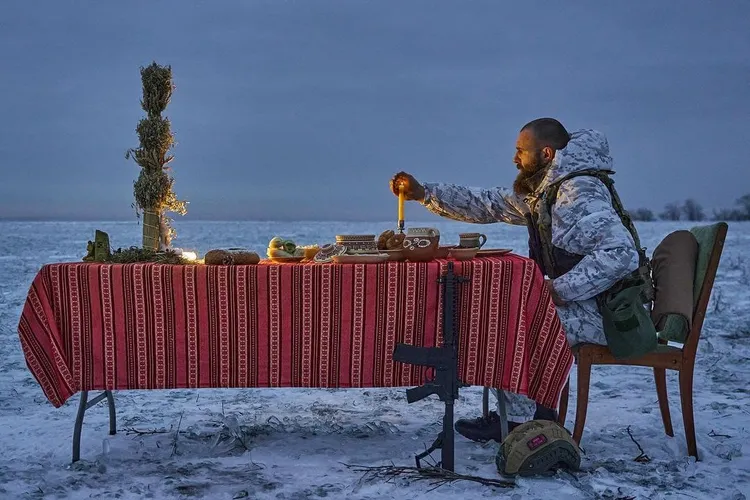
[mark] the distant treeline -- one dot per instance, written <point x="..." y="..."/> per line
<point x="691" y="210"/>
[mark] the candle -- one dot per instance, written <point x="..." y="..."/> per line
<point x="400" y="202"/>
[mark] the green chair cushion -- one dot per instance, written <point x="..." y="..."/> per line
<point x="706" y="236"/>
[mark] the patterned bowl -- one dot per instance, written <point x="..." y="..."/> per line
<point x="328" y="252"/>
<point x="357" y="241"/>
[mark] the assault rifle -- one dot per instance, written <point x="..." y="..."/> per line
<point x="444" y="360"/>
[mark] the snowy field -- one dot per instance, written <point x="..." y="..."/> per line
<point x="293" y="443"/>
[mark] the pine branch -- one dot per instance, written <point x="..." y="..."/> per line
<point x="433" y="475"/>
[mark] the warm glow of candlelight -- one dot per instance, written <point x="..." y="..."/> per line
<point x="400" y="202"/>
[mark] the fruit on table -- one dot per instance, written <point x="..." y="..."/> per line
<point x="280" y="248"/>
<point x="276" y="242"/>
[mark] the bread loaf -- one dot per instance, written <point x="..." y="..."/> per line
<point x="230" y="257"/>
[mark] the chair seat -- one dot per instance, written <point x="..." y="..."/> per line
<point x="665" y="356"/>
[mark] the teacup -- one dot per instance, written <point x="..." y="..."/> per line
<point x="421" y="243"/>
<point x="471" y="240"/>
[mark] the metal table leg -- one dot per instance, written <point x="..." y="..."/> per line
<point x="84" y="405"/>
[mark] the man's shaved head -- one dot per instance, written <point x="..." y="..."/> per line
<point x="548" y="132"/>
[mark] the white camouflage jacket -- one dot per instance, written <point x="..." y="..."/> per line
<point x="583" y="222"/>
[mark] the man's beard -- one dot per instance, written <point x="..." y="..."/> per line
<point x="527" y="181"/>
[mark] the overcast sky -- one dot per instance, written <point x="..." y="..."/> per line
<point x="303" y="110"/>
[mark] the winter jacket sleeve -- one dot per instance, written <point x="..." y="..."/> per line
<point x="585" y="223"/>
<point x="479" y="206"/>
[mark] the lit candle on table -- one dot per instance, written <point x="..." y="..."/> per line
<point x="401" y="207"/>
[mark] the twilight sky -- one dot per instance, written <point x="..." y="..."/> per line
<point x="304" y="109"/>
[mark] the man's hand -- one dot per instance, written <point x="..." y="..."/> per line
<point x="413" y="190"/>
<point x="555" y="298"/>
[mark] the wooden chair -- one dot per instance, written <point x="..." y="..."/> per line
<point x="666" y="357"/>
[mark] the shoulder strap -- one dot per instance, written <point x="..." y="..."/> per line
<point x="550" y="197"/>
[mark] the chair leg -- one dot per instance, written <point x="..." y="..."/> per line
<point x="660" y="377"/>
<point x="584" y="377"/>
<point x="562" y="412"/>
<point x="686" y="399"/>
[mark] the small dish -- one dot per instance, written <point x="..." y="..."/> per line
<point x="328" y="252"/>
<point x="463" y="253"/>
<point x="374" y="258"/>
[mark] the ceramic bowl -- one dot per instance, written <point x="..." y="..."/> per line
<point x="421" y="244"/>
<point x="463" y="253"/>
<point x="357" y="241"/>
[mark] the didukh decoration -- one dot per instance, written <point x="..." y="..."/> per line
<point x="153" y="190"/>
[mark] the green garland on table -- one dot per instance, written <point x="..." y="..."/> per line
<point x="136" y="254"/>
<point x="99" y="251"/>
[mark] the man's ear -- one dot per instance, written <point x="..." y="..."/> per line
<point x="548" y="153"/>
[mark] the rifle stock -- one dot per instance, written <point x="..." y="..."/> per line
<point x="421" y="392"/>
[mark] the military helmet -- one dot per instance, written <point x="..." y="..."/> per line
<point x="537" y="447"/>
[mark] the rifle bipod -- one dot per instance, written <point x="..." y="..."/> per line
<point x="445" y="362"/>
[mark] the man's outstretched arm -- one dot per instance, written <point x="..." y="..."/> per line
<point x="479" y="206"/>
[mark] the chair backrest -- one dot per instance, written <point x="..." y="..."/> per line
<point x="710" y="245"/>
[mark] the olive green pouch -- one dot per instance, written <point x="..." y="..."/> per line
<point x="627" y="324"/>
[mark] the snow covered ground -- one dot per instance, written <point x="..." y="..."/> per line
<point x="293" y="443"/>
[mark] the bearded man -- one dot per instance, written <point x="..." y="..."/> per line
<point x="593" y="250"/>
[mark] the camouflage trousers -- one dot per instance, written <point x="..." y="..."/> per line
<point x="582" y="324"/>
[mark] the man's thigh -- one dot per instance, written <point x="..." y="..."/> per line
<point x="582" y="323"/>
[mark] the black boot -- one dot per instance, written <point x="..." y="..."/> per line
<point x="483" y="429"/>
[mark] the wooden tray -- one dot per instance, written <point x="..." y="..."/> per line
<point x="494" y="252"/>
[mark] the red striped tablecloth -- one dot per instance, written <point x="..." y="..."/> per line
<point x="151" y="326"/>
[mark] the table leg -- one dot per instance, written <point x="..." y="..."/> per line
<point x="84" y="405"/>
<point x="502" y="411"/>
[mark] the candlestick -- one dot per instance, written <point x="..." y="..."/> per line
<point x="401" y="208"/>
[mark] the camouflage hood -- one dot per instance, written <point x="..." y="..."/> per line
<point x="587" y="150"/>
